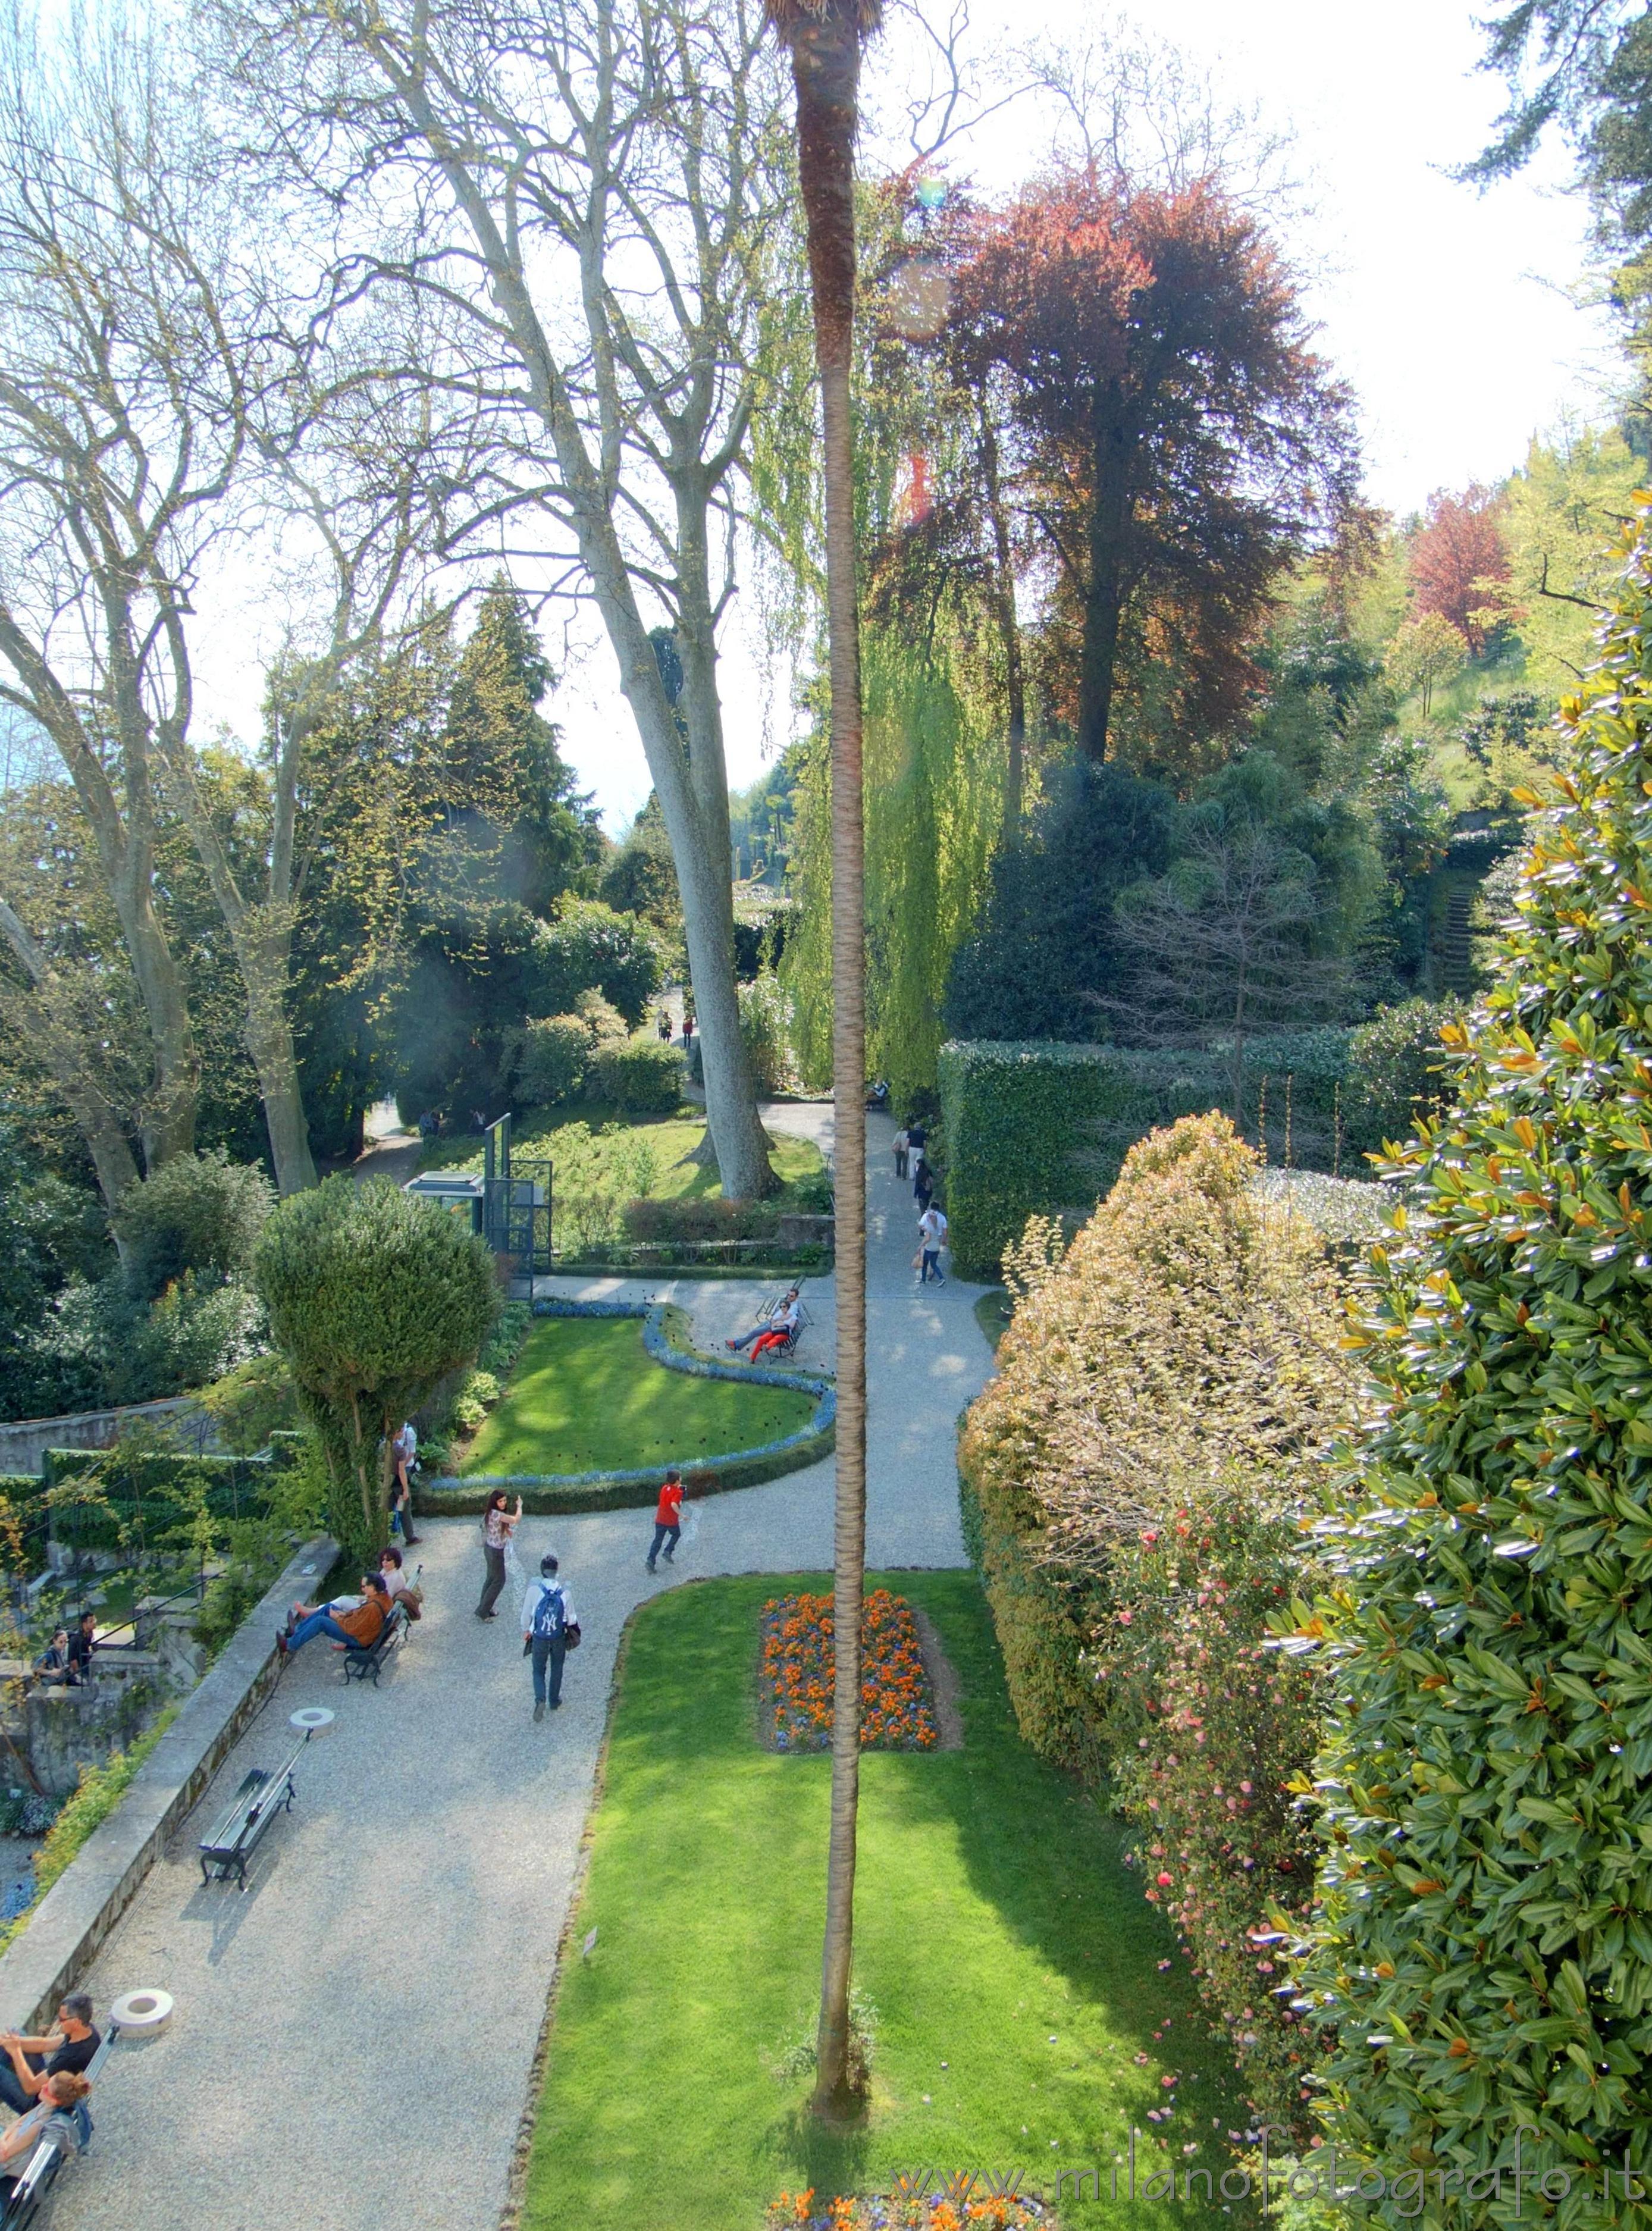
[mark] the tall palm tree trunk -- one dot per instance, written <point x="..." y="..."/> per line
<point x="825" y="45"/>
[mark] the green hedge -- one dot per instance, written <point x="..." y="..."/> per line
<point x="1038" y="1128"/>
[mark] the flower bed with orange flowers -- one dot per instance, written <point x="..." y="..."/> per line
<point x="897" y="1705"/>
<point x="928" y="2211"/>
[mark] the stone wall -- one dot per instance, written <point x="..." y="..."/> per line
<point x="25" y="1441"/>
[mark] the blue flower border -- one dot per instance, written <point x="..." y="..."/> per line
<point x="808" y="1446"/>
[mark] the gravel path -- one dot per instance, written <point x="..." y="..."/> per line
<point x="354" y="2035"/>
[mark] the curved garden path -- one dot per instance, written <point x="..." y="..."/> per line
<point x="355" y="2036"/>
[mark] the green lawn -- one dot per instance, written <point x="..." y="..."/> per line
<point x="1014" y="1965"/>
<point x="620" y="1149"/>
<point x="585" y="1396"/>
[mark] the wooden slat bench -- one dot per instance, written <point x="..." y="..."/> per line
<point x="256" y="1804"/>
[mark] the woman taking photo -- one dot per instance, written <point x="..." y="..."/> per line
<point x="498" y="1526"/>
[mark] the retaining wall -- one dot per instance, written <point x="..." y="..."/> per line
<point x="89" y="1898"/>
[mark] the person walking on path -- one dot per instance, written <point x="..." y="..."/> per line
<point x="547" y="1618"/>
<point x="403" y="1450"/>
<point x="498" y="1526"/>
<point x="902" y="1142"/>
<point x="922" y="1184"/>
<point x="667" y="1518"/>
<point x="932" y="1231"/>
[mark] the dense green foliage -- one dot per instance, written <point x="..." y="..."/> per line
<point x="372" y="1296"/>
<point x="1027" y="2014"/>
<point x="1132" y="1478"/>
<point x="1045" y="949"/>
<point x="551" y="1060"/>
<point x="642" y="1076"/>
<point x="1483" y="1963"/>
<point x="199" y="1212"/>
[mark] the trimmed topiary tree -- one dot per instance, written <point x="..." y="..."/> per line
<point x="1484" y="1953"/>
<point x="373" y="1296"/>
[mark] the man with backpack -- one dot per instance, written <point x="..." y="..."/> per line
<point x="550" y="1631"/>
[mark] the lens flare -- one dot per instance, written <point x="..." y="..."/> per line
<point x="917" y="300"/>
<point x="929" y="193"/>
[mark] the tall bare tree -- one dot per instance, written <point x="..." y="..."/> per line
<point x="593" y="192"/>
<point x="824" y="42"/>
<point x="169" y="395"/>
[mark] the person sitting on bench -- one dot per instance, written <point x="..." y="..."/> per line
<point x="391" y="1573"/>
<point x="33" y="2061"/>
<point x="362" y="1626"/>
<point x="775" y="1328"/>
<point x="52" y="2117"/>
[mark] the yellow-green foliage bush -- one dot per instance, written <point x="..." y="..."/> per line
<point x="1183" y="1355"/>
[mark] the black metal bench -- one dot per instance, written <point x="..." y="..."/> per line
<point x="45" y="2164"/>
<point x="364" y="1661"/>
<point x="254" y="1805"/>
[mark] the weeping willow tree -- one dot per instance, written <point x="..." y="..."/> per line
<point x="935" y="755"/>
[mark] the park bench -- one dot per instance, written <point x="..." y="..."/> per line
<point x="364" y="1661"/>
<point x="46" y="2162"/>
<point x="254" y="1805"/>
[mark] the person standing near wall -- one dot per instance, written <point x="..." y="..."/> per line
<point x="498" y="1526"/>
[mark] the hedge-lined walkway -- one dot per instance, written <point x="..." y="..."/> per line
<point x="354" y="2036"/>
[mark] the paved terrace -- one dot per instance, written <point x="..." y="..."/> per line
<point x="354" y="2035"/>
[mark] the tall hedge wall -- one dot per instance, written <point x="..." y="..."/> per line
<point x="1039" y="1128"/>
<point x="1036" y="1128"/>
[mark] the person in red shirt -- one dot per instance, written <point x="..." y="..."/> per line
<point x="667" y="1517"/>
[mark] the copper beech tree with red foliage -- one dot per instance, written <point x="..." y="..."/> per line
<point x="1458" y="562"/>
<point x="1179" y="441"/>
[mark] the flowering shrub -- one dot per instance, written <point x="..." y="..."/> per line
<point x="897" y="1710"/>
<point x="1210" y="1726"/>
<point x="931" y="2211"/>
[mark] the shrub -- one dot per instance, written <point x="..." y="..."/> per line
<point x="549" y="1058"/>
<point x="1210" y="1731"/>
<point x="373" y="1296"/>
<point x="589" y="944"/>
<point x="1396" y="1072"/>
<point x="197" y="1212"/>
<point x="665" y="1223"/>
<point x="1484" y="1958"/>
<point x="641" y="1077"/>
<point x="1182" y="1357"/>
<point x="766" y="1025"/>
<point x="101" y="1345"/>
<point x="604" y="1024"/>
